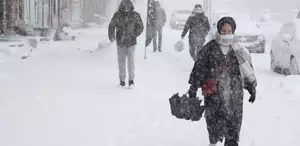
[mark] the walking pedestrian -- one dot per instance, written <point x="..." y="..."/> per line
<point x="161" y="19"/>
<point x="198" y="25"/>
<point x="219" y="71"/>
<point x="125" y="26"/>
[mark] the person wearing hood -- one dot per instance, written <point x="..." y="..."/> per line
<point x="198" y="25"/>
<point x="218" y="73"/>
<point x="161" y="19"/>
<point x="125" y="26"/>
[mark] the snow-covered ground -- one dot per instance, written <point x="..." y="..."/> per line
<point x="64" y="96"/>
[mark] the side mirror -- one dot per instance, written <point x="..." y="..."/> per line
<point x="286" y="38"/>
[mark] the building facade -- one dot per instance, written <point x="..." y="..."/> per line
<point x="50" y="14"/>
<point x="40" y="14"/>
<point x="11" y="12"/>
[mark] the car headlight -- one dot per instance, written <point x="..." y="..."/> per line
<point x="261" y="37"/>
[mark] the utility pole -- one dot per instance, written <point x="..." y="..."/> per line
<point x="59" y="12"/>
<point x="207" y="8"/>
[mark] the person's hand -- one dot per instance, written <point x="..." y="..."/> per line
<point x="192" y="92"/>
<point x="252" y="98"/>
<point x="191" y="95"/>
<point x="251" y="87"/>
<point x="112" y="40"/>
<point x="253" y="95"/>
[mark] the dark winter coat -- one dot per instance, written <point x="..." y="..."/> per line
<point x="223" y="114"/>
<point x="125" y="27"/>
<point x="161" y="16"/>
<point x="198" y="26"/>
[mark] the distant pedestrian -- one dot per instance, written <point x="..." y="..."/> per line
<point x="161" y="19"/>
<point x="198" y="25"/>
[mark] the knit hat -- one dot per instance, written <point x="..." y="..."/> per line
<point x="228" y="20"/>
<point x="198" y="6"/>
<point x="198" y="9"/>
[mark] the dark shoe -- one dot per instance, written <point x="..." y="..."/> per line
<point x="159" y="50"/>
<point x="122" y="83"/>
<point x="131" y="83"/>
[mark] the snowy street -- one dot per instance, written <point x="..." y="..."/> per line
<point x="64" y="96"/>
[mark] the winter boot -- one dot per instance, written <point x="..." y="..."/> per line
<point x="131" y="83"/>
<point x="122" y="84"/>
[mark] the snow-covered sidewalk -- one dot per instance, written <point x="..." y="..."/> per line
<point x="65" y="97"/>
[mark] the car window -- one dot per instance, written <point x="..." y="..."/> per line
<point x="288" y="28"/>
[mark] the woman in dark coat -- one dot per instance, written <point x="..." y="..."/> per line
<point x="218" y="65"/>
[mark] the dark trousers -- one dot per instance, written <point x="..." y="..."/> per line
<point x="219" y="125"/>
<point x="158" y="33"/>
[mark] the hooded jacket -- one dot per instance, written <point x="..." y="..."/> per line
<point x="161" y="15"/>
<point x="126" y="25"/>
<point x="198" y="26"/>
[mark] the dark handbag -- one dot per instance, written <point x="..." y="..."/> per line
<point x="209" y="87"/>
<point x="186" y="108"/>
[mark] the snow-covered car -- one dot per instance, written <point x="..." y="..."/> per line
<point x="247" y="33"/>
<point x="179" y="17"/>
<point x="285" y="49"/>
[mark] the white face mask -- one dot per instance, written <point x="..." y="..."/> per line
<point x="226" y="40"/>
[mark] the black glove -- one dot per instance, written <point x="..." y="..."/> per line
<point x="192" y="93"/>
<point x="252" y="98"/>
<point x="251" y="87"/>
<point x="252" y="92"/>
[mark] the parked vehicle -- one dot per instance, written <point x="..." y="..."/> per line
<point x="248" y="33"/>
<point x="179" y="17"/>
<point x="285" y="49"/>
